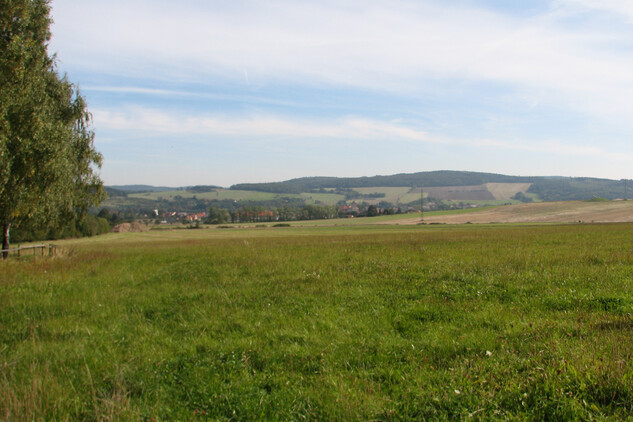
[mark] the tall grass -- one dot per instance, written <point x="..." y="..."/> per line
<point x="385" y="323"/>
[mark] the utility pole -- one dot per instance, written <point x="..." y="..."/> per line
<point x="422" y="205"/>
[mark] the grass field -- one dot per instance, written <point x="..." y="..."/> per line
<point x="239" y="195"/>
<point x="489" y="194"/>
<point x="321" y="198"/>
<point x="323" y="323"/>
<point x="392" y="194"/>
<point x="219" y="194"/>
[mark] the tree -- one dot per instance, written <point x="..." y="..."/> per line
<point x="47" y="157"/>
<point x="372" y="211"/>
<point x="217" y="216"/>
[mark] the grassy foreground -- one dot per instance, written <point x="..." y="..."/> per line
<point x="370" y="323"/>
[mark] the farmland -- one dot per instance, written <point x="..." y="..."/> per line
<point x="236" y="195"/>
<point x="369" y="322"/>
<point x="481" y="195"/>
<point x="442" y="190"/>
<point x="544" y="212"/>
<point x="395" y="195"/>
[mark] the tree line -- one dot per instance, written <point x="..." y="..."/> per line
<point x="257" y="213"/>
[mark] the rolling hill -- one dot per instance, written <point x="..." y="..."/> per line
<point x="441" y="189"/>
<point x="548" y="188"/>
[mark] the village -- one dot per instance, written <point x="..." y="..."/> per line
<point x="310" y="212"/>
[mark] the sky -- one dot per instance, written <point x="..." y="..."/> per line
<point x="206" y="92"/>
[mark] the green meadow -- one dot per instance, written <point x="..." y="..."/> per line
<point x="235" y="195"/>
<point x="355" y="322"/>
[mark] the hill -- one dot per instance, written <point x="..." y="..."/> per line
<point x="547" y="188"/>
<point x="440" y="190"/>
<point x="141" y="188"/>
<point x="421" y="179"/>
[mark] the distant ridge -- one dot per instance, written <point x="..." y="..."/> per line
<point x="141" y="188"/>
<point x="420" y="179"/>
<point x="545" y="188"/>
<point x="548" y="188"/>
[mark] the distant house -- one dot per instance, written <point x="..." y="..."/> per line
<point x="196" y="217"/>
<point x="349" y="210"/>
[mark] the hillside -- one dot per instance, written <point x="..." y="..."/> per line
<point x="140" y="188"/>
<point x="421" y="179"/>
<point x="548" y="188"/>
<point x="440" y="190"/>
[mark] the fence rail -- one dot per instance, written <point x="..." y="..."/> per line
<point x="52" y="249"/>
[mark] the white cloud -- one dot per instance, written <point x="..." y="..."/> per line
<point x="556" y="84"/>
<point x="618" y="8"/>
<point x="148" y="122"/>
<point x="398" y="46"/>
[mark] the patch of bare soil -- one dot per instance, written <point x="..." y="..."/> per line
<point x="542" y="212"/>
<point x="130" y="228"/>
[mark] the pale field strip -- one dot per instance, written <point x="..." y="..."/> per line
<point x="484" y="192"/>
<point x="507" y="190"/>
<point x="542" y="212"/>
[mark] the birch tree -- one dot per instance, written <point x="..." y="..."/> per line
<point x="48" y="163"/>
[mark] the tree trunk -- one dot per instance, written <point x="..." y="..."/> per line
<point x="5" y="239"/>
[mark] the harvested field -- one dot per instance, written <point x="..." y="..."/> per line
<point x="134" y="227"/>
<point x="543" y="212"/>
<point x="506" y="190"/>
<point x="485" y="192"/>
<point x="459" y="193"/>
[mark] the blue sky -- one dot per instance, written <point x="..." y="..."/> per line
<point x="214" y="92"/>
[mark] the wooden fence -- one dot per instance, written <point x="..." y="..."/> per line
<point x="52" y="250"/>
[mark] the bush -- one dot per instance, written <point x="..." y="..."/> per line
<point x="88" y="225"/>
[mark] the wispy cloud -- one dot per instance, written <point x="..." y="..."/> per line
<point x="192" y="93"/>
<point x="622" y="9"/>
<point x="398" y="46"/>
<point x="154" y="122"/>
<point x="554" y="81"/>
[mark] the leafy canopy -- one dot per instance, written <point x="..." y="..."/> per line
<point x="47" y="155"/>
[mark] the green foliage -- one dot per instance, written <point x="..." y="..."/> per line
<point x="84" y="226"/>
<point x="46" y="146"/>
<point x="430" y="178"/>
<point x="372" y="211"/>
<point x="112" y="192"/>
<point x="580" y="188"/>
<point x="520" y="196"/>
<point x="217" y="216"/>
<point x="203" y="188"/>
